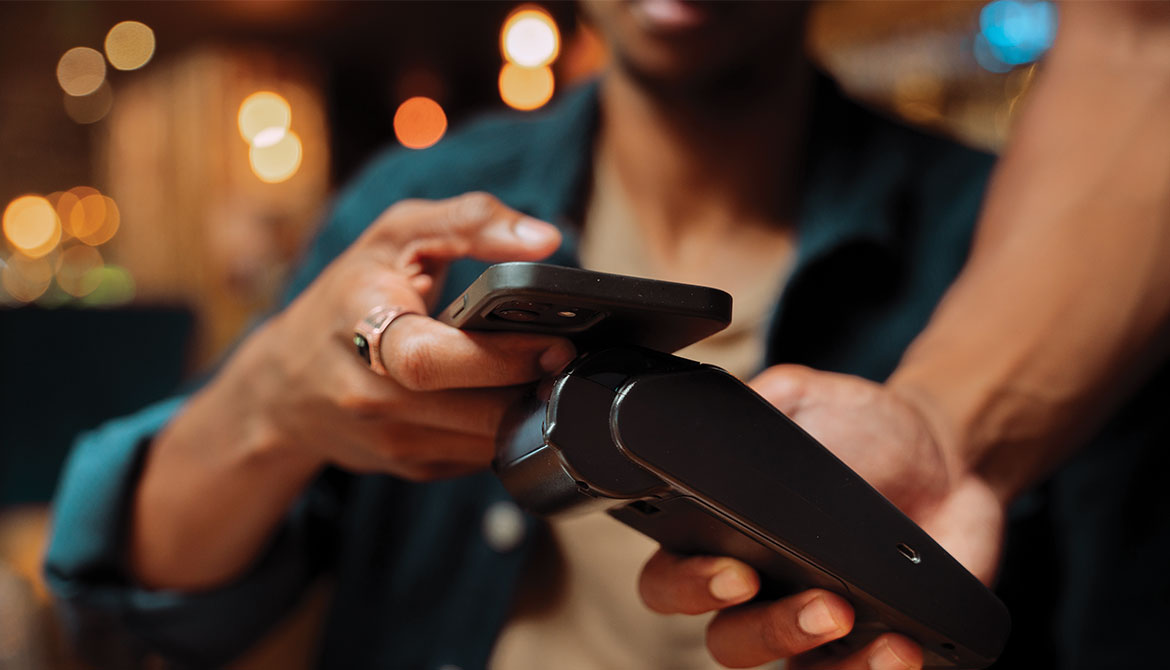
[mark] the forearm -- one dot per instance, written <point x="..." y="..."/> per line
<point x="1067" y="293"/>
<point x="215" y="485"/>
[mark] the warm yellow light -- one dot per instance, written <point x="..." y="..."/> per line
<point x="65" y="203"/>
<point x="278" y="161"/>
<point x="31" y="225"/>
<point x="269" y="136"/>
<point x="263" y="110"/>
<point x="95" y="219"/>
<point x="526" y="87"/>
<point x="81" y="71"/>
<point x="90" y="108"/>
<point x="530" y="38"/>
<point x="129" y="45"/>
<point x="419" y="123"/>
<point x="26" y="279"/>
<point x="76" y="270"/>
<point x="55" y="199"/>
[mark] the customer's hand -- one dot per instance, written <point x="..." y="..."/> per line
<point x="295" y="396"/>
<point x="436" y="412"/>
<point x="883" y="437"/>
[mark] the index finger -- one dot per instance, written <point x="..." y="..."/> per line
<point x="422" y="354"/>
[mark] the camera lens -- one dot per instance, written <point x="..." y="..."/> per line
<point x="522" y="315"/>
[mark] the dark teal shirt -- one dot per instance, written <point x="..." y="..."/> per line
<point x="884" y="228"/>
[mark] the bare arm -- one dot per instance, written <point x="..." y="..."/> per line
<point x="1062" y="307"/>
<point x="1067" y="292"/>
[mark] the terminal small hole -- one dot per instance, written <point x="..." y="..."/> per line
<point x="584" y="486"/>
<point x="948" y="646"/>
<point x="644" y="507"/>
<point x="907" y="551"/>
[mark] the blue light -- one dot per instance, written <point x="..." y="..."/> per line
<point x="1014" y="32"/>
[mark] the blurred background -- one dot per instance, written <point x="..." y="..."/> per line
<point x="163" y="164"/>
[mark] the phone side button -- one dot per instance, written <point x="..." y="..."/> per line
<point x="458" y="308"/>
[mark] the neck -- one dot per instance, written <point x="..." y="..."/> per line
<point x="712" y="157"/>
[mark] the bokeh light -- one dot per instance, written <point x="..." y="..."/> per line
<point x="129" y="45"/>
<point x="530" y="38"/>
<point x="76" y="270"/>
<point x="1013" y="33"/>
<point x="94" y="219"/>
<point x="269" y="136"/>
<point x="278" y="161"/>
<point x="419" y="122"/>
<point x="81" y="71"/>
<point x="31" y="225"/>
<point x="526" y="88"/>
<point x="64" y="204"/>
<point x="90" y="108"/>
<point x="263" y="110"/>
<point x="26" y="279"/>
<point x="114" y="286"/>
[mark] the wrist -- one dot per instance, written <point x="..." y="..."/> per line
<point x="961" y="452"/>
<point x="243" y="399"/>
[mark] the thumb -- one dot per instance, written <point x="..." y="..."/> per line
<point x="785" y="386"/>
<point x="424" y="233"/>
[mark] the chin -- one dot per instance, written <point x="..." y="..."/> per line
<point x="677" y="43"/>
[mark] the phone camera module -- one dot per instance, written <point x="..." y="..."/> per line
<point x="518" y="315"/>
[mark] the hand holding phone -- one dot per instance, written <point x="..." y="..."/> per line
<point x="593" y="309"/>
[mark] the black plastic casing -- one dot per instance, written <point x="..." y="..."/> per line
<point x="688" y="455"/>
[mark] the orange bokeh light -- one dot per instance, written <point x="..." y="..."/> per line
<point x="419" y="123"/>
<point x="263" y="110"/>
<point x="526" y="88"/>
<point x="94" y="218"/>
<point x="26" y="279"/>
<point x="31" y="225"/>
<point x="277" y="158"/>
<point x="77" y="270"/>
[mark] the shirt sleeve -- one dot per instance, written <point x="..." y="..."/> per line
<point x="113" y="620"/>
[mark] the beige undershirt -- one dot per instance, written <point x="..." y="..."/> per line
<point x="578" y="606"/>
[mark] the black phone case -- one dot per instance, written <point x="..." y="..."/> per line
<point x="607" y="309"/>
<point x="690" y="456"/>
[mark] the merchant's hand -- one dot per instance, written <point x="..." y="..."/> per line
<point x="296" y="396"/>
<point x="880" y="434"/>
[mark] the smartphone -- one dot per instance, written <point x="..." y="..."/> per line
<point x="593" y="309"/>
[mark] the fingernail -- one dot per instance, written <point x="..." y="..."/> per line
<point x="729" y="585"/>
<point x="531" y="230"/>
<point x="885" y="658"/>
<point x="816" y="619"/>
<point x="556" y="357"/>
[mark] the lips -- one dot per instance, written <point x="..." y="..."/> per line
<point x="669" y="15"/>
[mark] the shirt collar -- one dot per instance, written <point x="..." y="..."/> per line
<point x="856" y="172"/>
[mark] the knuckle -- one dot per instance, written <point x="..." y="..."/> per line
<point x="401" y="207"/>
<point x="472" y="207"/>
<point x="389" y="224"/>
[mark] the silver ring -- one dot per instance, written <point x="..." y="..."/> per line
<point x="367" y="335"/>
